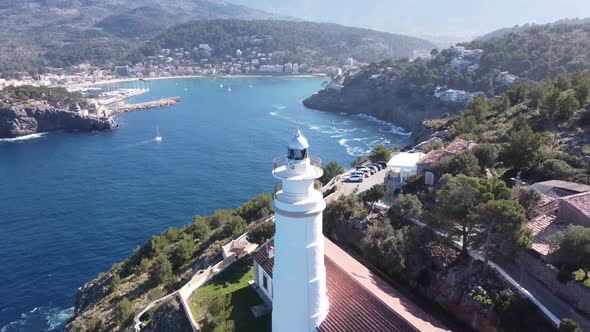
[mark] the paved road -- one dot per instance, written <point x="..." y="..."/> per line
<point x="554" y="303"/>
<point x="377" y="178"/>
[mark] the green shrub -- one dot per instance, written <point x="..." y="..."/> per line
<point x="486" y="154"/>
<point x="123" y="312"/>
<point x="380" y="153"/>
<point x="161" y="271"/>
<point x="555" y="169"/>
<point x="257" y="208"/>
<point x="579" y="275"/>
<point x="569" y="325"/>
<point x="262" y="233"/>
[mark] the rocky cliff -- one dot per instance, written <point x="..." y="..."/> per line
<point x="21" y="120"/>
<point x="406" y="110"/>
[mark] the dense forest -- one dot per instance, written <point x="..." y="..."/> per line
<point x="538" y="52"/>
<point x="57" y="97"/>
<point x="58" y="33"/>
<point x="41" y="34"/>
<point x="307" y="42"/>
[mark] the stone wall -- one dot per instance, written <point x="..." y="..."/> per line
<point x="573" y="292"/>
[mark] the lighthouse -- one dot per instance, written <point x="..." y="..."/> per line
<point x="300" y="300"/>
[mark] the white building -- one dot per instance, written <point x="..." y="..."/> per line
<point x="271" y="69"/>
<point x="403" y="165"/>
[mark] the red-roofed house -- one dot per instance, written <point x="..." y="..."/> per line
<point x="575" y="209"/>
<point x="425" y="166"/>
<point x="555" y="216"/>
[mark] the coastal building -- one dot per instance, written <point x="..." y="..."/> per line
<point x="425" y="166"/>
<point x="455" y="96"/>
<point x="271" y="69"/>
<point x="401" y="166"/>
<point x="312" y="284"/>
<point x="562" y="204"/>
<point x="122" y="70"/>
<point x="507" y="78"/>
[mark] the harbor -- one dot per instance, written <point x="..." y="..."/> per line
<point x="164" y="102"/>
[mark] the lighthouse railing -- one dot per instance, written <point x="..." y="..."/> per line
<point x="317" y="185"/>
<point x="282" y="161"/>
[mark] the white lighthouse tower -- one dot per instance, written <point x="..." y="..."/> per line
<point x="300" y="299"/>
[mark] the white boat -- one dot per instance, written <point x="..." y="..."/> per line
<point x="158" y="138"/>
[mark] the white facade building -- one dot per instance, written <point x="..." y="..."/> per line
<point x="300" y="298"/>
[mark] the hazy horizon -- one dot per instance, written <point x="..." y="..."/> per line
<point x="452" y="18"/>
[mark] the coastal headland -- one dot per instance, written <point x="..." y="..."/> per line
<point x="22" y="120"/>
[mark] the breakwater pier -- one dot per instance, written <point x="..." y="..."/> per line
<point x="164" y="102"/>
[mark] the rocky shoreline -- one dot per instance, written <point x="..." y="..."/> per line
<point x="407" y="112"/>
<point x="22" y="120"/>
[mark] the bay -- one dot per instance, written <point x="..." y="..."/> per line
<point x="72" y="204"/>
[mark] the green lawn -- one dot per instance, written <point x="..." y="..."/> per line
<point x="234" y="281"/>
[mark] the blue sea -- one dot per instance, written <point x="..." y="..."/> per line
<point x="72" y="204"/>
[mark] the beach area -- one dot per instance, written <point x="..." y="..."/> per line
<point x="135" y="79"/>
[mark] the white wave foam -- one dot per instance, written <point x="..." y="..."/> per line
<point x="314" y="127"/>
<point x="273" y="113"/>
<point x="57" y="318"/>
<point x="23" y="138"/>
<point x="389" y="127"/>
<point x="54" y="319"/>
<point x="279" y="107"/>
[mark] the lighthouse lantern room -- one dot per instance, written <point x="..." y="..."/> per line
<point x="300" y="300"/>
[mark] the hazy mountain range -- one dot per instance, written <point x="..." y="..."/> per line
<point x="62" y="33"/>
<point x="451" y="20"/>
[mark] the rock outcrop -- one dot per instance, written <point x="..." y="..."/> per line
<point x="168" y="317"/>
<point x="21" y="120"/>
<point x="363" y="97"/>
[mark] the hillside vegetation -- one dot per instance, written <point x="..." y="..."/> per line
<point x="540" y="131"/>
<point x="161" y="266"/>
<point x="403" y="91"/>
<point x="64" y="33"/>
<point x="61" y="33"/>
<point x="305" y="42"/>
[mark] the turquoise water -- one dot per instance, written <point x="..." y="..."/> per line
<point x="72" y="204"/>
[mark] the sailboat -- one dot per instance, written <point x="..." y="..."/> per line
<point x="158" y="138"/>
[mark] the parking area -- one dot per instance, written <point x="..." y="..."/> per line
<point x="377" y="178"/>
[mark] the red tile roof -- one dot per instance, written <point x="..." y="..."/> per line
<point x="544" y="226"/>
<point x="359" y="299"/>
<point x="261" y="257"/>
<point x="353" y="308"/>
<point x="580" y="202"/>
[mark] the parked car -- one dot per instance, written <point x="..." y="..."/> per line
<point x="374" y="168"/>
<point x="354" y="178"/>
<point x="366" y="169"/>
<point x="381" y="167"/>
<point x="365" y="174"/>
<point x="382" y="163"/>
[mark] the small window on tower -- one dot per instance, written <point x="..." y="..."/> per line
<point x="295" y="154"/>
<point x="265" y="282"/>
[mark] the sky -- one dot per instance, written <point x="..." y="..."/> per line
<point x="459" y="18"/>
